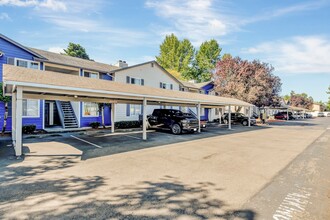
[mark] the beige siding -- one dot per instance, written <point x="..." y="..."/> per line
<point x="152" y="76"/>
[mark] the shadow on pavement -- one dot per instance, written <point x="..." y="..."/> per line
<point x="167" y="198"/>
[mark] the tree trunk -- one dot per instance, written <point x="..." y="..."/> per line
<point x="5" y="119"/>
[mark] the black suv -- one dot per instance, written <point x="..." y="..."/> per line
<point x="237" y="117"/>
<point x="172" y="119"/>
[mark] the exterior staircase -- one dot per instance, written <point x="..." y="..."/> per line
<point x="67" y="115"/>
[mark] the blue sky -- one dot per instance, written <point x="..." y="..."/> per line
<point x="293" y="36"/>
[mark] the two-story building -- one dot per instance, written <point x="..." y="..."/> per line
<point x="69" y="114"/>
<point x="46" y="113"/>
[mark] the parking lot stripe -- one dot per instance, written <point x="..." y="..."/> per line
<point x="95" y="145"/>
<point x="132" y="137"/>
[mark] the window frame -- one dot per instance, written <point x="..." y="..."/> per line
<point x="88" y="116"/>
<point x="136" y="107"/>
<point x="28" y="61"/>
<point x="90" y="71"/>
<point x="38" y="108"/>
<point x="167" y="86"/>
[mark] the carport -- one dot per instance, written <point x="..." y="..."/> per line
<point x="22" y="83"/>
<point x="288" y="109"/>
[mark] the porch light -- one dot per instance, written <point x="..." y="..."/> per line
<point x="1" y="53"/>
<point x="75" y="96"/>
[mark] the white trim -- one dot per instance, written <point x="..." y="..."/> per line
<point x="43" y="113"/>
<point x="89" y="116"/>
<point x="140" y="96"/>
<point x="29" y="61"/>
<point x="90" y="71"/>
<point x="38" y="116"/>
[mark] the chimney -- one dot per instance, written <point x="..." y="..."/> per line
<point x="121" y="64"/>
<point x="193" y="81"/>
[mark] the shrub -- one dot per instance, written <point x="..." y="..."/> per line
<point x="127" y="124"/>
<point x="94" y="124"/>
<point x="28" y="129"/>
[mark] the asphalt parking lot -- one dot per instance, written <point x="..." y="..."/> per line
<point x="210" y="175"/>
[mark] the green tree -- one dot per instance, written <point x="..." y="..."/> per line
<point x="168" y="56"/>
<point x="5" y="100"/>
<point x="76" y="50"/>
<point x="206" y="58"/>
<point x="185" y="55"/>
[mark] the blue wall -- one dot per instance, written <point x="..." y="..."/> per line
<point x="207" y="89"/>
<point x="11" y="50"/>
<point x="85" y="121"/>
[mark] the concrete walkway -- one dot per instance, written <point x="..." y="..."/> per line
<point x="206" y="178"/>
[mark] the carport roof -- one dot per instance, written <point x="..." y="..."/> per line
<point x="46" y="82"/>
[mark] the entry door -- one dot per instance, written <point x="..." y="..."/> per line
<point x="49" y="113"/>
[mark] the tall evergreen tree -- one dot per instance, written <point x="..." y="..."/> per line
<point x="76" y="50"/>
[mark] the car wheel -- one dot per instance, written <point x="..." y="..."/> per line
<point x="176" y="129"/>
<point x="245" y="123"/>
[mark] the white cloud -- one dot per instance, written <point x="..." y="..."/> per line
<point x="4" y="16"/>
<point x="56" y="49"/>
<point x="289" y="10"/>
<point x="297" y="55"/>
<point x="195" y="19"/>
<point x="54" y="5"/>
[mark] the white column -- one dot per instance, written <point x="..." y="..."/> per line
<point x="219" y="113"/>
<point x="249" y="115"/>
<point x="199" y="117"/>
<point x="113" y="116"/>
<point x="13" y="118"/>
<point x="287" y="114"/>
<point x="18" y="127"/>
<point x="144" y="119"/>
<point x="229" y="118"/>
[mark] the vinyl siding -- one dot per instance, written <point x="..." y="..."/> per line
<point x="152" y="76"/>
<point x="11" y="50"/>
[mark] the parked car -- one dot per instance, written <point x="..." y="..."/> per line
<point x="321" y="114"/>
<point x="327" y="114"/>
<point x="202" y="122"/>
<point x="172" y="119"/>
<point x="307" y="115"/>
<point x="283" y="116"/>
<point x="237" y="117"/>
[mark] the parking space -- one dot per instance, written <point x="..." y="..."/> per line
<point x="91" y="144"/>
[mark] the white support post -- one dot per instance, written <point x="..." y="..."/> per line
<point x="113" y="117"/>
<point x="144" y="119"/>
<point x="219" y="113"/>
<point x="199" y="117"/>
<point x="13" y="118"/>
<point x="18" y="126"/>
<point x="287" y="114"/>
<point x="229" y="118"/>
<point x="249" y="115"/>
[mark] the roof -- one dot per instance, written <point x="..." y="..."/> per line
<point x="189" y="84"/>
<point x="39" y="81"/>
<point x="73" y="61"/>
<point x="21" y="46"/>
<point x="141" y="64"/>
<point x="201" y="85"/>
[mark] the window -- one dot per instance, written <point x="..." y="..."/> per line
<point x="27" y="64"/>
<point x="135" y="109"/>
<point x="91" y="109"/>
<point x="30" y="108"/>
<point x="89" y="74"/>
<point x="136" y="81"/>
<point x="166" y="86"/>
